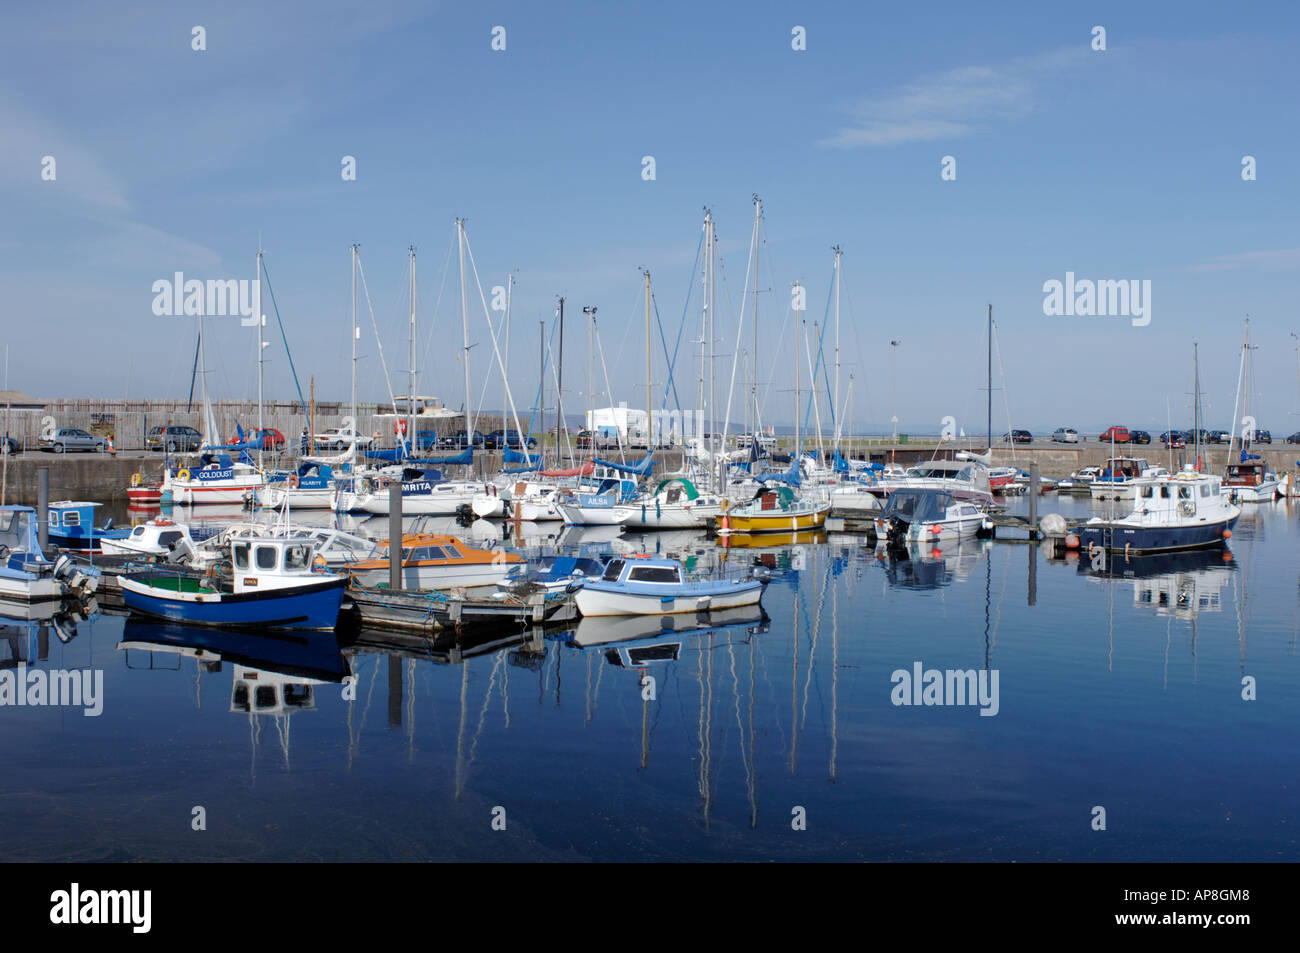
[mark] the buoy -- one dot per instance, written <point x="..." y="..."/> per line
<point x="135" y="479"/>
<point x="936" y="529"/>
<point x="293" y="481"/>
<point x="182" y="474"/>
<point x="1227" y="534"/>
<point x="1072" y="541"/>
<point x="936" y="553"/>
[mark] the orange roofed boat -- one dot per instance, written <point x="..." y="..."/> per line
<point x="438" y="562"/>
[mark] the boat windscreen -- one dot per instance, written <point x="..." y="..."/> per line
<point x="913" y="506"/>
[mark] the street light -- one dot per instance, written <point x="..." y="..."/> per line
<point x="894" y="362"/>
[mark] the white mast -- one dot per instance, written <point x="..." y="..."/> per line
<point x="261" y="320"/>
<point x="836" y="401"/>
<point x="356" y="333"/>
<point x="798" y="331"/>
<point x="410" y="401"/>
<point x="464" y="321"/>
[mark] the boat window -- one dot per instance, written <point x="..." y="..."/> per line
<point x="1205" y="489"/>
<point x="240" y="552"/>
<point x="435" y="552"/>
<point x="167" y="539"/>
<point x="1148" y="492"/>
<point x="969" y="511"/>
<point x="266" y="557"/>
<point x="71" y="518"/>
<point x="612" y="570"/>
<point x="297" y="557"/>
<point x="1214" y="490"/>
<point x="138" y="531"/>
<point x="1164" y="493"/>
<point x="1184" y="492"/>
<point x="420" y="552"/>
<point x="654" y="574"/>
<point x="264" y="696"/>
<point x="452" y="551"/>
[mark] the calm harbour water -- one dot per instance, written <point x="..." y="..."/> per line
<point x="1119" y="687"/>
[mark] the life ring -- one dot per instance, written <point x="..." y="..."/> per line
<point x="182" y="474"/>
<point x="135" y="479"/>
<point x="293" y="481"/>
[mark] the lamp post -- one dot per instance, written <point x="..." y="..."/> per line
<point x="894" y="361"/>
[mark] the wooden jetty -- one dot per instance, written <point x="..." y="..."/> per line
<point x="431" y="610"/>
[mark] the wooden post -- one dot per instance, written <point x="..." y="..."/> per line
<point x="1033" y="500"/>
<point x="395" y="535"/>
<point x="43" y="506"/>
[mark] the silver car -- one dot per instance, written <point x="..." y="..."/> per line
<point x="72" y="438"/>
<point x="1065" y="435"/>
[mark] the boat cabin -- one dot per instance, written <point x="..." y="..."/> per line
<point x="643" y="570"/>
<point x="1184" y="493"/>
<point x="921" y="506"/>
<point x="774" y="498"/>
<point x="265" y="562"/>
<point x="1124" y="468"/>
<point x="1246" y="473"/>
<point x="19" y="540"/>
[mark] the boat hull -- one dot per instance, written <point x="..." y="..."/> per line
<point x="595" y="599"/>
<point x="468" y="576"/>
<point x="311" y="606"/>
<point x="1117" y="537"/>
<point x="779" y="522"/>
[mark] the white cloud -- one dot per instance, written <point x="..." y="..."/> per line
<point x="1270" y="258"/>
<point x="951" y="104"/>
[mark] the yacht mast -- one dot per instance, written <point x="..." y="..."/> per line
<point x="753" y="379"/>
<point x="649" y="439"/>
<point x="410" y="400"/>
<point x="464" y="324"/>
<point x="261" y="319"/>
<point x="356" y="333"/>
<point x="835" y="408"/>
<point x="798" y="332"/>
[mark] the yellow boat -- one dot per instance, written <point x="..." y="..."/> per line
<point x="734" y="540"/>
<point x="773" y="510"/>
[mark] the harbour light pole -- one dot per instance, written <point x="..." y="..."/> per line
<point x="894" y="361"/>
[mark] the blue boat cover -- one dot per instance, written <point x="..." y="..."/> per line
<point x="637" y="469"/>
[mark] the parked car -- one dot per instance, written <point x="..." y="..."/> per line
<point x="426" y="439"/>
<point x="1173" y="439"/>
<point x="174" y="439"/>
<point x="340" y="438"/>
<point x="1115" y="435"/>
<point x="606" y="438"/>
<point x="1216" y="436"/>
<point x="72" y="438"/>
<point x="1263" y="436"/>
<point x="499" y="439"/>
<point x="1065" y="435"/>
<point x="1294" y="438"/>
<point x="1139" y="436"/>
<point x="272" y="439"/>
<point x="10" y="445"/>
<point x="458" y="441"/>
<point x="1018" y="436"/>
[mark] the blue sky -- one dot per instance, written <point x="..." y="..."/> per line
<point x="1122" y="164"/>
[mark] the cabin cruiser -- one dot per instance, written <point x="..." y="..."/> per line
<point x="156" y="539"/>
<point x="1250" y="482"/>
<point x="920" y="515"/>
<point x="1080" y="481"/>
<point x="1121" y="475"/>
<point x="438" y="562"/>
<point x="965" y="478"/>
<point x="1182" y="511"/>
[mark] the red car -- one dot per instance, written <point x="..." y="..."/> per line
<point x="1115" y="435"/>
<point x="272" y="439"/>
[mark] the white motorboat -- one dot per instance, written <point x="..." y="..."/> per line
<point x="921" y="515"/>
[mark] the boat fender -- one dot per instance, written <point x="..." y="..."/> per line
<point x="1227" y="534"/>
<point x="182" y="474"/>
<point x="293" y="482"/>
<point x="135" y="479"/>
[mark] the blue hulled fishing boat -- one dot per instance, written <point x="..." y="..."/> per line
<point x="271" y="584"/>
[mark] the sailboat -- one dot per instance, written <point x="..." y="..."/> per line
<point x="217" y="477"/>
<point x="1247" y="479"/>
